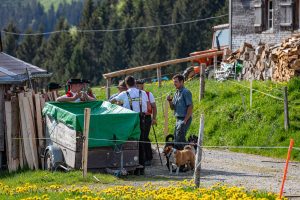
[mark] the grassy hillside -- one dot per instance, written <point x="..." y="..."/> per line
<point x="47" y="3"/>
<point x="230" y="122"/>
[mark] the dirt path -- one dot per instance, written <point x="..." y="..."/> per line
<point x="249" y="171"/>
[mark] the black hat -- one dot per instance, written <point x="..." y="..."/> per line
<point x="85" y="81"/>
<point x="74" y="81"/>
<point x="140" y="81"/>
<point x="53" y="86"/>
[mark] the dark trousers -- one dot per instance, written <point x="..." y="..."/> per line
<point x="142" y="145"/>
<point x="148" y="149"/>
<point x="180" y="132"/>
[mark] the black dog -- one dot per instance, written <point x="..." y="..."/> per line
<point x="169" y="142"/>
<point x="193" y="140"/>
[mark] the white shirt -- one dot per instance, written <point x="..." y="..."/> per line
<point x="134" y="95"/>
<point x="73" y="94"/>
<point x="151" y="98"/>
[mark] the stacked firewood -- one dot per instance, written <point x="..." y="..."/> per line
<point x="279" y="62"/>
<point x="286" y="58"/>
<point x="25" y="138"/>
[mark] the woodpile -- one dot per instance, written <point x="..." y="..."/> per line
<point x="279" y="62"/>
<point x="286" y="58"/>
<point x="25" y="137"/>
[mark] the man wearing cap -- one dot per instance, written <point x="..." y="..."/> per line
<point x="74" y="93"/>
<point x="135" y="100"/>
<point x="150" y="119"/>
<point x="182" y="104"/>
<point x="121" y="88"/>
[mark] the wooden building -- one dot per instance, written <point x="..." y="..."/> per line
<point x="14" y="73"/>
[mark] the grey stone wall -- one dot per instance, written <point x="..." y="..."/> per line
<point x="243" y="30"/>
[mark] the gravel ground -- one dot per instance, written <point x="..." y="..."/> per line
<point x="238" y="169"/>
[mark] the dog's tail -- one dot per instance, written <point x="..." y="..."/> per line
<point x="187" y="147"/>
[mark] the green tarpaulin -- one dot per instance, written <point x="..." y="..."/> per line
<point x="107" y="122"/>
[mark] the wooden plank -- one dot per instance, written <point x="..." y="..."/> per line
<point x="30" y="131"/>
<point x="30" y="98"/>
<point x="202" y="81"/>
<point x="166" y="116"/>
<point x="24" y="134"/>
<point x="41" y="142"/>
<point x="108" y="84"/>
<point x="43" y="101"/>
<point x="15" y="127"/>
<point x="2" y="116"/>
<point x="159" y="76"/>
<point x="15" y="132"/>
<point x="87" y="114"/>
<point x="8" y="135"/>
<point x="161" y="64"/>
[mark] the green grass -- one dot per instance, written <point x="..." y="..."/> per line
<point x="229" y="121"/>
<point x="46" y="178"/>
<point x="47" y="3"/>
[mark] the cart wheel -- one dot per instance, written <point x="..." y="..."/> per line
<point x="48" y="162"/>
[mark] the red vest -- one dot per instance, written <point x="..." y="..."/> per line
<point x="149" y="109"/>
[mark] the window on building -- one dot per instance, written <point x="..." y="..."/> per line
<point x="270" y="13"/>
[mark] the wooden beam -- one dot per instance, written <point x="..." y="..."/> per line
<point x="108" y="84"/>
<point x="31" y="131"/>
<point x="39" y="125"/>
<point x="159" y="76"/>
<point x="202" y="81"/>
<point x="2" y="116"/>
<point x="25" y="136"/>
<point x="87" y="114"/>
<point x="157" y="65"/>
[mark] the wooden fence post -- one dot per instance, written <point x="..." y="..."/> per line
<point x="159" y="76"/>
<point x="251" y="92"/>
<point x="166" y="116"/>
<point x="286" y="109"/>
<point x="87" y="113"/>
<point x="199" y="152"/>
<point x="215" y="64"/>
<point x="108" y="84"/>
<point x="202" y="81"/>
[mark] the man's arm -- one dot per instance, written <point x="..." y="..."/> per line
<point x="65" y="98"/>
<point x="189" y="113"/>
<point x="170" y="100"/>
<point x="189" y="102"/>
<point x="154" y="111"/>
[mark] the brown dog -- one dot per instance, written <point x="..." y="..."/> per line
<point x="180" y="157"/>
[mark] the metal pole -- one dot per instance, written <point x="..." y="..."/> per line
<point x="230" y="24"/>
<point x="199" y="153"/>
<point x="251" y="92"/>
<point x="286" y="109"/>
<point x="29" y="79"/>
<point x="157" y="145"/>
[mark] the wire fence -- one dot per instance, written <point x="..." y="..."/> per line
<point x="114" y="30"/>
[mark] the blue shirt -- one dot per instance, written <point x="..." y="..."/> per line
<point x="182" y="100"/>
